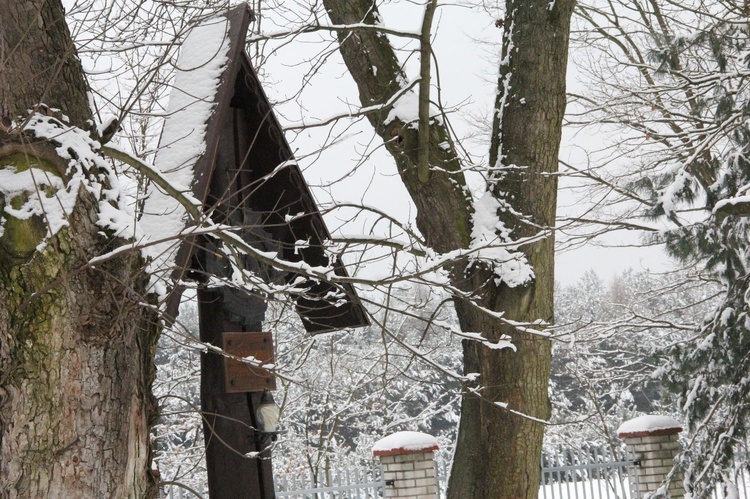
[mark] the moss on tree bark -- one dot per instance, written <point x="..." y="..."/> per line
<point x="76" y="341"/>
<point x="76" y="361"/>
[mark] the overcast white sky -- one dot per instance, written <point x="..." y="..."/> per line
<point x="466" y="43"/>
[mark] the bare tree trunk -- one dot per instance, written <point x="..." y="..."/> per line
<point x="498" y="451"/>
<point x="38" y="62"/>
<point x="76" y="343"/>
<point x="526" y="134"/>
<point x="77" y="365"/>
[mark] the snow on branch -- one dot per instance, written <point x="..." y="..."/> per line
<point x="405" y="91"/>
<point x="336" y="28"/>
<point x="493" y="244"/>
<point x="53" y="195"/>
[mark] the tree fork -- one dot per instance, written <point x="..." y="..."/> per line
<point x="498" y="451"/>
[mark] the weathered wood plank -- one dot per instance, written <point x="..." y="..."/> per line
<point x="241" y="377"/>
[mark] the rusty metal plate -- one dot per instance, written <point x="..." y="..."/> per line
<point x="240" y="377"/>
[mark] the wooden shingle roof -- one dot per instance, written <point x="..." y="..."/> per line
<point x="248" y="177"/>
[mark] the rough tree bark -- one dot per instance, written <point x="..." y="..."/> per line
<point x="76" y="343"/>
<point x="39" y="62"/>
<point x="498" y="451"/>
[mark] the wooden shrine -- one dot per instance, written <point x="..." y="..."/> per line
<point x="247" y="178"/>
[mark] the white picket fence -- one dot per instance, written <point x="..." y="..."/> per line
<point x="592" y="473"/>
<point x="588" y="473"/>
<point x="342" y="482"/>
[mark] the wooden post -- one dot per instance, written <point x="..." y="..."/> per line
<point x="229" y="418"/>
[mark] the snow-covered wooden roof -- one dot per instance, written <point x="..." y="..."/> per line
<point x="223" y="140"/>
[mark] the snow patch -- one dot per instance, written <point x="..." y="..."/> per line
<point x="409" y="441"/>
<point x="14" y="183"/>
<point x="731" y="202"/>
<point x="203" y="56"/>
<point x="53" y="198"/>
<point x="669" y="198"/>
<point x="648" y="424"/>
<point x="726" y="316"/>
<point x="490" y="243"/>
<point x="406" y="109"/>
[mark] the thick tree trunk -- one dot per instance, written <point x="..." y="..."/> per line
<point x="526" y="137"/>
<point x="38" y="64"/>
<point x="76" y="357"/>
<point x="498" y="451"/>
<point x="76" y="343"/>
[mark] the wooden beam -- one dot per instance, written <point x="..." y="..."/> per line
<point x="229" y="418"/>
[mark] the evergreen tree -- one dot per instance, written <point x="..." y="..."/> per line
<point x="685" y="113"/>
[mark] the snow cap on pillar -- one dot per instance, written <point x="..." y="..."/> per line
<point x="649" y="426"/>
<point x="404" y="442"/>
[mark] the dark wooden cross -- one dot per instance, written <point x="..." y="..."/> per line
<point x="240" y="182"/>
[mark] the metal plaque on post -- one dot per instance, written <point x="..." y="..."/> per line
<point x="249" y="376"/>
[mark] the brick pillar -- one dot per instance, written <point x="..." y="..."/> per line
<point x="652" y="441"/>
<point x="407" y="459"/>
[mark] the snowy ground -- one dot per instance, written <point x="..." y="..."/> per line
<point x="601" y="489"/>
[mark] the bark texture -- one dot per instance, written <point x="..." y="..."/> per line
<point x="76" y="365"/>
<point x="498" y="452"/>
<point x="76" y="343"/>
<point x="38" y="62"/>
